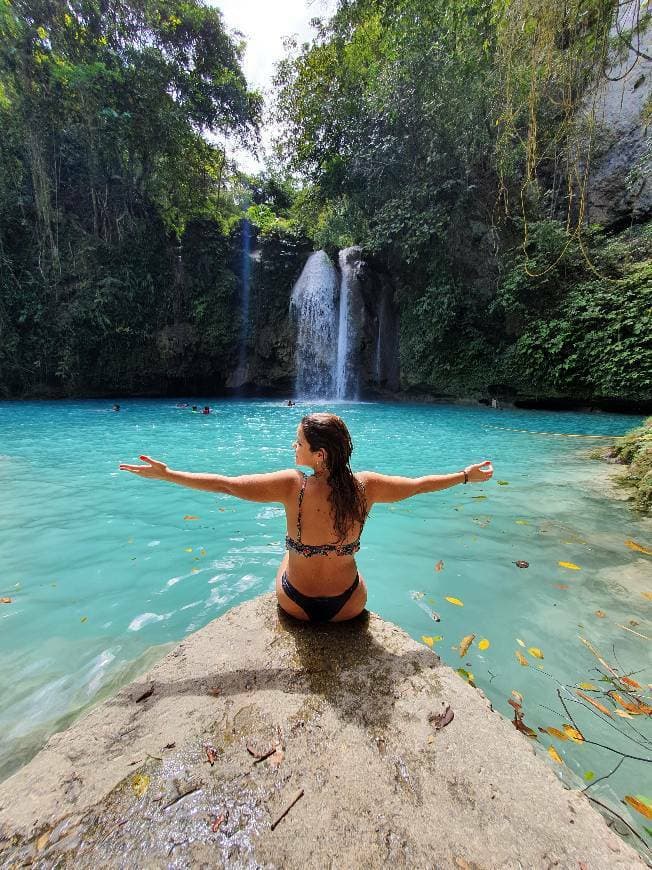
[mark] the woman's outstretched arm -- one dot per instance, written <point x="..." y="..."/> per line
<point x="277" y="486"/>
<point x="385" y="488"/>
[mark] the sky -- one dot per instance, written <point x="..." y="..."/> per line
<point x="264" y="24"/>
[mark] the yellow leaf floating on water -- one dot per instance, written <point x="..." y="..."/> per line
<point x="521" y="522"/>
<point x="427" y="640"/>
<point x="520" y="642"/>
<point x="536" y="652"/>
<point x="188" y="550"/>
<point x="465" y="643"/>
<point x="502" y="482"/>
<point x="140" y="784"/>
<point x="521" y="659"/>
<point x="439" y="566"/>
<point x="641" y="806"/>
<point x="589" y="687"/>
<point x="6" y="600"/>
<point x="596" y="704"/>
<point x="573" y="734"/>
<point x="570" y="565"/>
<point x="638" y="548"/>
<point x="552" y="752"/>
<point x="84" y="619"/>
<point x="202" y="552"/>
<point x="190" y="517"/>
<point x="195" y="570"/>
<point x="478" y="497"/>
<point x="555" y="732"/>
<point x="628" y="682"/>
<point x="484" y="644"/>
<point x="455" y="601"/>
<point x="600" y="614"/>
<point x="647" y="595"/>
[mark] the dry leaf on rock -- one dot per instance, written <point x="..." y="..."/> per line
<point x="440" y="720"/>
<point x="140" y="784"/>
<point x="211" y="755"/>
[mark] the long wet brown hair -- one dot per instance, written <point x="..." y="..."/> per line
<point x="328" y="432"/>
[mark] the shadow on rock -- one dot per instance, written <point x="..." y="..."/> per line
<point x="347" y="664"/>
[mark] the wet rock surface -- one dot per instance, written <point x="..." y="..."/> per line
<point x="260" y="742"/>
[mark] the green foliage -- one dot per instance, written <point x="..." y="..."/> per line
<point x="635" y="450"/>
<point x="578" y="332"/>
<point x="103" y="168"/>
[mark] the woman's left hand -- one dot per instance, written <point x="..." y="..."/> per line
<point x="480" y="472"/>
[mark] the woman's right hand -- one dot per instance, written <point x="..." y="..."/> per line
<point x="154" y="470"/>
<point x="480" y="472"/>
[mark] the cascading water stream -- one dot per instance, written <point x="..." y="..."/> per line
<point x="244" y="303"/>
<point x="378" y="372"/>
<point x="313" y="306"/>
<point x="342" y="332"/>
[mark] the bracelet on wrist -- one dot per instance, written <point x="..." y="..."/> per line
<point x="466" y="476"/>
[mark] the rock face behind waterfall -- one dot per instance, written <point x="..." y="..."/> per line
<point x="374" y="322"/>
<point x="620" y="178"/>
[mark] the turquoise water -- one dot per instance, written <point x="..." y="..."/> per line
<point x="105" y="569"/>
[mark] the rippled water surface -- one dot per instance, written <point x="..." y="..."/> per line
<point x="104" y="569"/>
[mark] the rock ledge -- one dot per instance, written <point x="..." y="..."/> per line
<point x="172" y="770"/>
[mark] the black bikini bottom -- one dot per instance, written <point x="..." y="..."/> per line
<point x="318" y="608"/>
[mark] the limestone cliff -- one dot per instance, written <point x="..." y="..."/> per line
<point x="620" y="181"/>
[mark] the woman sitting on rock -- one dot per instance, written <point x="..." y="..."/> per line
<point x="319" y="581"/>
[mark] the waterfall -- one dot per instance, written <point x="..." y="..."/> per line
<point x="342" y="333"/>
<point x="378" y="371"/>
<point x="313" y="306"/>
<point x="244" y="302"/>
<point x="346" y="367"/>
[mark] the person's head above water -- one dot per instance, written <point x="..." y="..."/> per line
<point x="324" y="444"/>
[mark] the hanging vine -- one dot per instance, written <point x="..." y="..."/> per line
<point x="550" y="57"/>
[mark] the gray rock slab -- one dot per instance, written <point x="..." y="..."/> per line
<point x="191" y="765"/>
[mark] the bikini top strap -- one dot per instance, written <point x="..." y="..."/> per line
<point x="303" y="489"/>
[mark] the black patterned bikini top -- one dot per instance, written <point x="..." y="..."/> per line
<point x="317" y="549"/>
